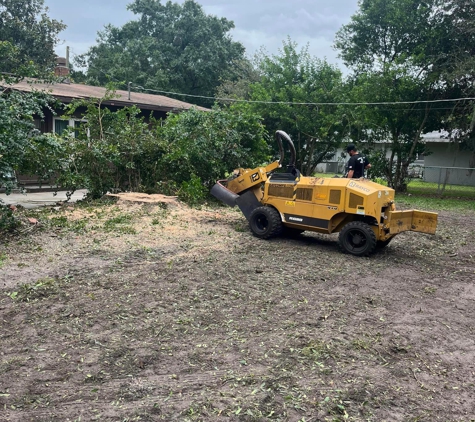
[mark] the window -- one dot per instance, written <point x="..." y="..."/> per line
<point x="420" y="156"/>
<point x="61" y="125"/>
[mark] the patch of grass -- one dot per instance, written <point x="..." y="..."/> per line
<point x="428" y="203"/>
<point x="426" y="196"/>
<point x="241" y="227"/>
<point x="62" y="222"/>
<point x="419" y="187"/>
<point x="32" y="401"/>
<point x="42" y="288"/>
<point x="317" y="350"/>
<point x="429" y="289"/>
<point x="120" y="219"/>
<point x="325" y="175"/>
<point x="3" y="259"/>
<point x="361" y="344"/>
<point x="120" y="224"/>
<point x="11" y="364"/>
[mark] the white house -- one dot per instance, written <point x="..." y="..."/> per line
<point x="444" y="161"/>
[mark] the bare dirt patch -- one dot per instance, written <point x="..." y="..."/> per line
<point x="149" y="312"/>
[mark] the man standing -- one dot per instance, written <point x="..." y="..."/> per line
<point x="357" y="163"/>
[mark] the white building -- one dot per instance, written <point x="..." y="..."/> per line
<point x="444" y="162"/>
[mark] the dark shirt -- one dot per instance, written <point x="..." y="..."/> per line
<point x="357" y="163"/>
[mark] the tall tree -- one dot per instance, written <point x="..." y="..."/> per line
<point x="239" y="84"/>
<point x="457" y="69"/>
<point x="26" y="26"/>
<point x="396" y="127"/>
<point x="171" y="47"/>
<point x="387" y="32"/>
<point x="393" y="47"/>
<point x="294" y="77"/>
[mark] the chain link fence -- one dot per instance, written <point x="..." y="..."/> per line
<point x="452" y="181"/>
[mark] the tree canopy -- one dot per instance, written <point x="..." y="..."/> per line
<point x="170" y="47"/>
<point x="32" y="34"/>
<point x="386" y="32"/>
<point x="409" y="50"/>
<point x="293" y="77"/>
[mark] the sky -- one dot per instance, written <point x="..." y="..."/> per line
<point x="258" y="23"/>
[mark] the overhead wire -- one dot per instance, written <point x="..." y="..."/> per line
<point x="235" y="100"/>
<point x="307" y="103"/>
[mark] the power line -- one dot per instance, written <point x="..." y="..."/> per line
<point x="286" y="102"/>
<point x="308" y="104"/>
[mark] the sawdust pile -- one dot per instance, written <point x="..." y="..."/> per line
<point x="143" y="198"/>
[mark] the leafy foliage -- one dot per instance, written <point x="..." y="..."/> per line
<point x="295" y="76"/>
<point x="26" y="26"/>
<point x="457" y="70"/>
<point x="410" y="50"/>
<point x="18" y="133"/>
<point x="385" y="32"/>
<point x="119" y="151"/>
<point x="107" y="152"/>
<point x="207" y="145"/>
<point x="239" y="86"/>
<point x="395" y="48"/>
<point x="398" y="127"/>
<point x="192" y="192"/>
<point x="8" y="222"/>
<point x="171" y="47"/>
<point x="27" y="40"/>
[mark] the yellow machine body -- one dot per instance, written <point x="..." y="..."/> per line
<point x="325" y="205"/>
<point x="354" y="207"/>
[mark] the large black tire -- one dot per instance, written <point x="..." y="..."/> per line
<point x="265" y="222"/>
<point x="357" y="238"/>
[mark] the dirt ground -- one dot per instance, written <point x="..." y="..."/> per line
<point x="141" y="312"/>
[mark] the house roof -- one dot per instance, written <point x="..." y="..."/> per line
<point x="67" y="92"/>
<point x="438" y="136"/>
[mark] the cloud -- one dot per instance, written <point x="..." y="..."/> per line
<point x="257" y="23"/>
<point x="299" y="17"/>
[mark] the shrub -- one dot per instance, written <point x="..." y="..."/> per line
<point x="8" y="222"/>
<point x="184" y="155"/>
<point x="208" y="145"/>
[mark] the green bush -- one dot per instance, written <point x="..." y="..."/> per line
<point x="208" y="145"/>
<point x="8" y="222"/>
<point x="192" y="192"/>
<point x="18" y="133"/>
<point x="109" y="152"/>
<point x="116" y="151"/>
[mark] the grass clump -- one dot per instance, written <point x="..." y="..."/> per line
<point x="120" y="224"/>
<point x="62" y="222"/>
<point x="3" y="259"/>
<point x="42" y="288"/>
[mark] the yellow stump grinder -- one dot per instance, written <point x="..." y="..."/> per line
<point x="363" y="212"/>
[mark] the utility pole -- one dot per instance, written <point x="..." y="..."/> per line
<point x="67" y="57"/>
